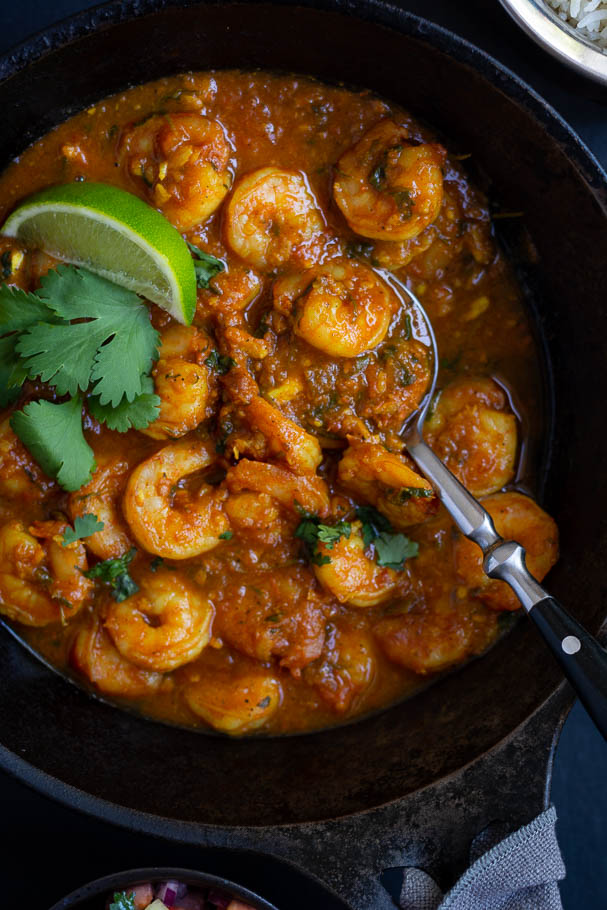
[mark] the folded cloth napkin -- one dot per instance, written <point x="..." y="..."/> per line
<point x="519" y="873"/>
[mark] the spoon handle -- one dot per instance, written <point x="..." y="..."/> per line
<point x="581" y="657"/>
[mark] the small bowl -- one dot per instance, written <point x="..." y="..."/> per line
<point x="559" y="38"/>
<point x="91" y="896"/>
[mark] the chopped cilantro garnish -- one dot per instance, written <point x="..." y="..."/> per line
<point x="156" y="563"/>
<point x="115" y="573"/>
<point x="78" y="332"/>
<point x="113" y="349"/>
<point x="205" y="266"/>
<point x="377" y="176"/>
<point x="227" y="535"/>
<point x="391" y="549"/>
<point x="373" y="523"/>
<point x="219" y="362"/>
<point x="53" y="435"/>
<point x="84" y="526"/>
<point x="312" y="532"/>
<point x="137" y="414"/>
<point x="123" y="901"/>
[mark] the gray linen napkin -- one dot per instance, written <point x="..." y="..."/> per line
<point x="519" y="873"/>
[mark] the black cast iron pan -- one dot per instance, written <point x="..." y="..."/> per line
<point x="413" y="784"/>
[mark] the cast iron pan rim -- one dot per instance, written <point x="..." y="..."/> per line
<point x="190" y="832"/>
<point x="385" y="13"/>
<point x="122" y="880"/>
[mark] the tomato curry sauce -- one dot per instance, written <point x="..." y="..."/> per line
<point x="289" y="568"/>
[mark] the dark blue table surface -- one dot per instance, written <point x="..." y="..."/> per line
<point x="50" y="842"/>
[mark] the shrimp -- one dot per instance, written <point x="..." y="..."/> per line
<point x="350" y="575"/>
<point x="183" y="159"/>
<point x="41" y="581"/>
<point x="342" y="308"/>
<point x="21" y="480"/>
<point x="270" y="216"/>
<point x="346" y="668"/>
<point x="284" y="438"/>
<point x="101" y="497"/>
<point x="181" y="381"/>
<point x="169" y="522"/>
<point x="165" y="625"/>
<point x="235" y="705"/>
<point x="309" y="492"/>
<point x="436" y="636"/>
<point x="387" y="482"/>
<point x="388" y="187"/>
<point x="473" y="433"/>
<point x="278" y="613"/>
<point x="519" y="518"/>
<point x="93" y="654"/>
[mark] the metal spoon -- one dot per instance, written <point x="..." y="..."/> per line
<point x="581" y="657"/>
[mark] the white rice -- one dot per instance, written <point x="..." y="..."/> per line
<point x="587" y="17"/>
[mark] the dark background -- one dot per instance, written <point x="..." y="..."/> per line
<point x="49" y="850"/>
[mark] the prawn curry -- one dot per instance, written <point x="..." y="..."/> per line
<point x="262" y="555"/>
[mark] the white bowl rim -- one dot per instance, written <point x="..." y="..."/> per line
<point x="543" y="24"/>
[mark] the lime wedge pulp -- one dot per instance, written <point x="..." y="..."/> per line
<point x="114" y="234"/>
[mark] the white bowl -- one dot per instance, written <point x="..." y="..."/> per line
<point x="559" y="38"/>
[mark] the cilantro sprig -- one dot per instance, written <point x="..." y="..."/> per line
<point x="123" y="901"/>
<point x="221" y="363"/>
<point x="115" y="573"/>
<point x="205" y="266"/>
<point x="312" y="532"/>
<point x="84" y="526"/>
<point x="53" y="434"/>
<point x="391" y="549"/>
<point x="81" y="334"/>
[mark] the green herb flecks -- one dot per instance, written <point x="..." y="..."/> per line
<point x="312" y="532"/>
<point x="205" y="266"/>
<point x="84" y="526"/>
<point x="123" y="901"/>
<point x="115" y="573"/>
<point x="219" y="362"/>
<point x="391" y="549"/>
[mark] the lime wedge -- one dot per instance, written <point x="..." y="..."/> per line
<point x="114" y="234"/>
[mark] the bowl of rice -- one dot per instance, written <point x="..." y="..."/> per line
<point x="573" y="31"/>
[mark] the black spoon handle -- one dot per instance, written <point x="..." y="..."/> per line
<point x="582" y="659"/>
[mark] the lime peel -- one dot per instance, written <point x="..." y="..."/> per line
<point x="115" y="235"/>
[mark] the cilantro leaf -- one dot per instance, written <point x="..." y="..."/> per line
<point x="53" y="435"/>
<point x="113" y="349"/>
<point x="19" y="310"/>
<point x="227" y="535"/>
<point x="219" y="362"/>
<point x="137" y="414"/>
<point x="84" y="526"/>
<point x="307" y="530"/>
<point x="330" y="534"/>
<point x="12" y="374"/>
<point x="123" y="901"/>
<point x="312" y="532"/>
<point x="393" y="549"/>
<point x="373" y="523"/>
<point x="205" y="266"/>
<point x="115" y="573"/>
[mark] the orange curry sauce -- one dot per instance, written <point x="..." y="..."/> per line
<point x="292" y="646"/>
